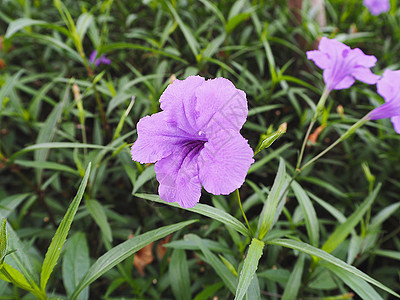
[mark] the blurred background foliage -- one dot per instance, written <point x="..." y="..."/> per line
<point x="51" y="93"/>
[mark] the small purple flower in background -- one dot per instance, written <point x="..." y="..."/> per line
<point x="195" y="140"/>
<point x="342" y="65"/>
<point x="376" y="7"/>
<point x="101" y="60"/>
<point x="389" y="88"/>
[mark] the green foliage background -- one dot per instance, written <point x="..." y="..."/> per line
<point x="258" y="46"/>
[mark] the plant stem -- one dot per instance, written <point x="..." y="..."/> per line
<point x="349" y="132"/>
<point x="320" y="106"/>
<point x="244" y="215"/>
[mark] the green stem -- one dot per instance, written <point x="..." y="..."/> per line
<point x="244" y="215"/>
<point x="349" y="132"/>
<point x="320" y="106"/>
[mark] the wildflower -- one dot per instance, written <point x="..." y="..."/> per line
<point x="101" y="60"/>
<point x="195" y="140"/>
<point x="342" y="65"/>
<point x="389" y="88"/>
<point x="376" y="7"/>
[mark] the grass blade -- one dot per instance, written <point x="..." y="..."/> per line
<point x="117" y="254"/>
<point x="293" y="285"/>
<point x="205" y="210"/>
<point x="344" y="229"/>
<point x="54" y="250"/>
<point x="249" y="268"/>
<point x="179" y="271"/>
<point x="97" y="212"/>
<point x="309" y="213"/>
<point x="306" y="248"/>
<point x="268" y="212"/>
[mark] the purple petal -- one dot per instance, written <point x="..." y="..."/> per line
<point x="220" y="106"/>
<point x="365" y="75"/>
<point x="345" y="83"/>
<point x="157" y="138"/>
<point x="319" y="58"/>
<point x="178" y="178"/>
<point x="387" y="110"/>
<point x="389" y="85"/>
<point x="341" y="64"/>
<point x="396" y="123"/>
<point x="93" y="56"/>
<point x="179" y="101"/>
<point x="377" y="7"/>
<point x="104" y="60"/>
<point x="224" y="162"/>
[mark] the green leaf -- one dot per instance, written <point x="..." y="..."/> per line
<point x="76" y="263"/>
<point x="209" y="291"/>
<point x="57" y="145"/>
<point x="145" y="176"/>
<point x="179" y="271"/>
<point x="54" y="250"/>
<point x="205" y="210"/>
<point x="19" y="24"/>
<point x="191" y="40"/>
<point x="96" y="210"/>
<point x="223" y="272"/>
<point x="117" y="254"/>
<point x="8" y="86"/>
<point x="115" y="46"/>
<point x="309" y="213"/>
<point x="306" y="248"/>
<point x="343" y="230"/>
<point x="10" y="274"/>
<point x="277" y="192"/>
<point x="249" y="267"/>
<point x="46" y="165"/>
<point x="362" y="288"/>
<point x="293" y="284"/>
<point x="8" y="204"/>
<point x="387" y="253"/>
<point x="254" y="292"/>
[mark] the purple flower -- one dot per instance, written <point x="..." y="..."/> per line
<point x="376" y="7"/>
<point x="195" y="140"/>
<point x="101" y="60"/>
<point x="342" y="65"/>
<point x="389" y="88"/>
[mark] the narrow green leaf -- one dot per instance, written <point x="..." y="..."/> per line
<point x="293" y="284"/>
<point x="83" y="23"/>
<point x="309" y="213"/>
<point x="56" y="145"/>
<point x="96" y="210"/>
<point x="20" y="24"/>
<point x="358" y="285"/>
<point x="191" y="40"/>
<point x="254" y="292"/>
<point x="145" y="176"/>
<point x="387" y="253"/>
<point x="209" y="291"/>
<point x="249" y="267"/>
<point x="8" y="204"/>
<point x="179" y="271"/>
<point x="205" y="210"/>
<point x="76" y="263"/>
<point x="117" y="254"/>
<point x="268" y="212"/>
<point x="223" y="272"/>
<point x="121" y="45"/>
<point x="46" y="165"/>
<point x="54" y="250"/>
<point x="343" y="230"/>
<point x="306" y="248"/>
<point x="10" y="274"/>
<point x="8" y="86"/>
